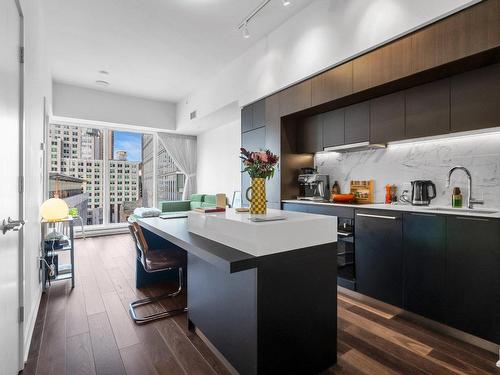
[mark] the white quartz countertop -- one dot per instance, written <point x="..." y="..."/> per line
<point x="298" y="230"/>
<point x="493" y="213"/>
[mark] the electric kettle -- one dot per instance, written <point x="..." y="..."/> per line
<point x="422" y="192"/>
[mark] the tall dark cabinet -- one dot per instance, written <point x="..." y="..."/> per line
<point x="473" y="276"/>
<point x="251" y="140"/>
<point x="379" y="259"/>
<point x="273" y="143"/>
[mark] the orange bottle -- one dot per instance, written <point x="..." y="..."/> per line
<point x="388" y="197"/>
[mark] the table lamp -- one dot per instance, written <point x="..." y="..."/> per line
<point x="53" y="210"/>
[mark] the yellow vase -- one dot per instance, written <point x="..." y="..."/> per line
<point x="258" y="199"/>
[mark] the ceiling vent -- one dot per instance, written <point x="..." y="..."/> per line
<point x="192" y="115"/>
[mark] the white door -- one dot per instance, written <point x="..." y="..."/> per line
<point x="10" y="118"/>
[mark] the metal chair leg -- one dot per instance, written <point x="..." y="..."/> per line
<point x="160" y="315"/>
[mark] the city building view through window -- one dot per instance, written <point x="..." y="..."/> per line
<point x="106" y="174"/>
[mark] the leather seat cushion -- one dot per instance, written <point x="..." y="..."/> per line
<point x="161" y="259"/>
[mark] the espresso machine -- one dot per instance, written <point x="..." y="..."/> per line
<point x="313" y="186"/>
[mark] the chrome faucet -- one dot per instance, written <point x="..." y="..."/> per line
<point x="470" y="201"/>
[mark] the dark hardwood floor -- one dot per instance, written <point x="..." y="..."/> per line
<point x="87" y="330"/>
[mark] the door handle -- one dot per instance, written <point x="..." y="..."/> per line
<point x="14" y="225"/>
<point x="378" y="216"/>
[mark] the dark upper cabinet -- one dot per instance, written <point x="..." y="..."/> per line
<point x="357" y="123"/>
<point x="463" y="34"/>
<point x="295" y="98"/>
<point x="425" y="264"/>
<point x="310" y="135"/>
<point x="252" y="140"/>
<point x="333" y="128"/>
<point x="473" y="277"/>
<point x="253" y="116"/>
<point x="332" y="84"/>
<point x="385" y="64"/>
<point x="387" y="118"/>
<point x="428" y="109"/>
<point x="259" y="114"/>
<point x="379" y="255"/>
<point x="475" y="98"/>
<point x="247" y="118"/>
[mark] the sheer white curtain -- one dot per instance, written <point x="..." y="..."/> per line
<point x="182" y="150"/>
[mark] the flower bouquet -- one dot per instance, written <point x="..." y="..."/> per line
<point x="260" y="165"/>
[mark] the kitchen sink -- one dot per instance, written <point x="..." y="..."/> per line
<point x="464" y="210"/>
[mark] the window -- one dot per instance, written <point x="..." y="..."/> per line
<point x="106" y="174"/>
<point x="68" y="179"/>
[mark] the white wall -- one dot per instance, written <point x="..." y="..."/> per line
<point x="218" y="160"/>
<point x="37" y="85"/>
<point x="320" y="36"/>
<point x="88" y="104"/>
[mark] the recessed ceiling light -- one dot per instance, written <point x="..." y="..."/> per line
<point x="286" y="3"/>
<point x="100" y="82"/>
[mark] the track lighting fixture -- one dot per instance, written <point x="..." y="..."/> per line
<point x="244" y="24"/>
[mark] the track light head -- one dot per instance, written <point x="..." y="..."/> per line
<point x="246" y="33"/>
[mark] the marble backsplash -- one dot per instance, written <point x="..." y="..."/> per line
<point x="427" y="160"/>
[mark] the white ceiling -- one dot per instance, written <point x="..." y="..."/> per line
<point x="160" y="49"/>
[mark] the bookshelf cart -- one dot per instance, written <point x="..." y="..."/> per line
<point x="49" y="253"/>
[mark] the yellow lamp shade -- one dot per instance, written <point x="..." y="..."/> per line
<point x="54" y="209"/>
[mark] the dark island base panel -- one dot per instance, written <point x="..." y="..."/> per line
<point x="277" y="318"/>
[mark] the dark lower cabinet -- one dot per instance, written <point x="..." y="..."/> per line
<point x="424" y="241"/>
<point x="252" y="140"/>
<point x="379" y="255"/>
<point x="473" y="276"/>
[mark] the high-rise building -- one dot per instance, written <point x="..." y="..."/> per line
<point x="78" y="152"/>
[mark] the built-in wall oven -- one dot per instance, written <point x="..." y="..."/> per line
<point x="346" y="272"/>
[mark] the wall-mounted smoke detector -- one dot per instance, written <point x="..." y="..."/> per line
<point x="101" y="82"/>
<point x="192" y="115"/>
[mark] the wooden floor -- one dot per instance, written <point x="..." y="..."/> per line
<point x="87" y="330"/>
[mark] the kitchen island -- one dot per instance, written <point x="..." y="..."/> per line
<point x="267" y="302"/>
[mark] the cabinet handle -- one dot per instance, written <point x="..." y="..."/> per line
<point x="378" y="216"/>
<point x="471" y="218"/>
<point x="421" y="214"/>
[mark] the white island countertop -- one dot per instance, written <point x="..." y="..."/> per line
<point x="298" y="230"/>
